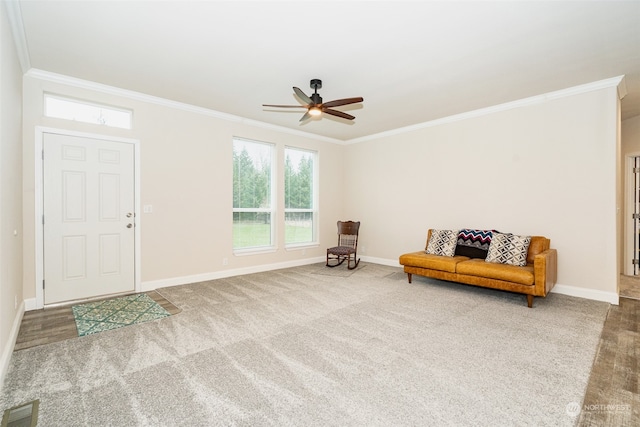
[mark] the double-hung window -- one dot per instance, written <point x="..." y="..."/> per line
<point x="253" y="195"/>
<point x="300" y="196"/>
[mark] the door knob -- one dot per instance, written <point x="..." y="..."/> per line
<point x="129" y="215"/>
<point x="129" y="225"/>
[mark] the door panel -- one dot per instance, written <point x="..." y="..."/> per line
<point x="88" y="218"/>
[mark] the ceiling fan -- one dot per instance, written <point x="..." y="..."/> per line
<point x="315" y="106"/>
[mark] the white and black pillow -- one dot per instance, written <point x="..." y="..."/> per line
<point x="509" y="249"/>
<point x="442" y="242"/>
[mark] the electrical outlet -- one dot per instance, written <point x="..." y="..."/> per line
<point x="304" y="252"/>
<point x="225" y="261"/>
<point x="363" y="249"/>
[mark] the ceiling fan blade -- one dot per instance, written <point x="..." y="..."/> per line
<point x="285" y="106"/>
<point x="306" y="116"/>
<point x="338" y="113"/>
<point x="345" y="101"/>
<point x="302" y="96"/>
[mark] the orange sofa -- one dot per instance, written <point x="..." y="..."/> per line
<point x="535" y="279"/>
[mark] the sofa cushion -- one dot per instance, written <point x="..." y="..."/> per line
<point x="508" y="273"/>
<point x="473" y="243"/>
<point x="508" y="249"/>
<point x="442" y="242"/>
<point x="432" y="262"/>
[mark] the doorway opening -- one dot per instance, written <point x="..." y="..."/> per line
<point x="630" y="279"/>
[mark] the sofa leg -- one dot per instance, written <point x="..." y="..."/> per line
<point x="530" y="301"/>
<point x="409" y="277"/>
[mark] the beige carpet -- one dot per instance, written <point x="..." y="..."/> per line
<point x="296" y="348"/>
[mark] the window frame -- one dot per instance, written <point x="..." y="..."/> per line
<point x="314" y="200"/>
<point x="271" y="210"/>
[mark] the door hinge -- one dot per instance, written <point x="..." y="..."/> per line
<point x="43" y="284"/>
<point x="42" y="154"/>
<point x="42" y="219"/>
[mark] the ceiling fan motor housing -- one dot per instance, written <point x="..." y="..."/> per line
<point x="316" y="84"/>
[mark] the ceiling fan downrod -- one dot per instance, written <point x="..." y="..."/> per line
<point x="315" y="85"/>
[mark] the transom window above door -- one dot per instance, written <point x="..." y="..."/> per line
<point x="87" y="112"/>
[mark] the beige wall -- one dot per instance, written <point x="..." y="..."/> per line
<point x="631" y="136"/>
<point x="186" y="174"/>
<point x="548" y="168"/>
<point x="545" y="169"/>
<point x="10" y="192"/>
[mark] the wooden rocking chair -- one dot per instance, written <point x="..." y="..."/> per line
<point x="347" y="248"/>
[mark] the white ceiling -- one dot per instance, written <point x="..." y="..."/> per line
<point x="413" y="62"/>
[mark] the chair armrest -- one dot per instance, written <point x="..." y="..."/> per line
<point x="545" y="266"/>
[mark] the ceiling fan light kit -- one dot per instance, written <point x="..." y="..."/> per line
<point x="315" y="111"/>
<point x="314" y="105"/>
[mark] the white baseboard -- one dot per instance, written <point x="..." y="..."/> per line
<point x="175" y="281"/>
<point x="573" y="291"/>
<point x="612" y="298"/>
<point x="10" y="344"/>
<point x="381" y="261"/>
<point x="30" y="304"/>
<point x="594" y="294"/>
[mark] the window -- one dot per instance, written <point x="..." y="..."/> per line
<point x="299" y="196"/>
<point x="81" y="111"/>
<point x="253" y="195"/>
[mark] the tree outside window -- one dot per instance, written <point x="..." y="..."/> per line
<point x="299" y="196"/>
<point x="252" y="194"/>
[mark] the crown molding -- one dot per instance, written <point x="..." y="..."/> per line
<point x="14" y="15"/>
<point x="622" y="88"/>
<point x="618" y="82"/>
<point x="142" y="97"/>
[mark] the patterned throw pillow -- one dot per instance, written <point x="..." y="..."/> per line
<point x="509" y="249"/>
<point x="442" y="242"/>
<point x="474" y="243"/>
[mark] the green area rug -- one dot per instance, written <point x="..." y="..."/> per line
<point x="115" y="313"/>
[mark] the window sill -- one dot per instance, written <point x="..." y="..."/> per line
<point x="254" y="251"/>
<point x="301" y="246"/>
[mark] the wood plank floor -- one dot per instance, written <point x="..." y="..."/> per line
<point x="629" y="286"/>
<point x="612" y="397"/>
<point x="55" y="324"/>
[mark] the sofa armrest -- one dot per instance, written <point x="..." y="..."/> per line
<point x="545" y="266"/>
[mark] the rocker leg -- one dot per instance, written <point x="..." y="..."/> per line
<point x="530" y="301"/>
<point x="355" y="262"/>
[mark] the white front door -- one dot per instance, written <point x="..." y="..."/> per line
<point x="89" y="200"/>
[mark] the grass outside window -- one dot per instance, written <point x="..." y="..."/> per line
<point x="250" y="235"/>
